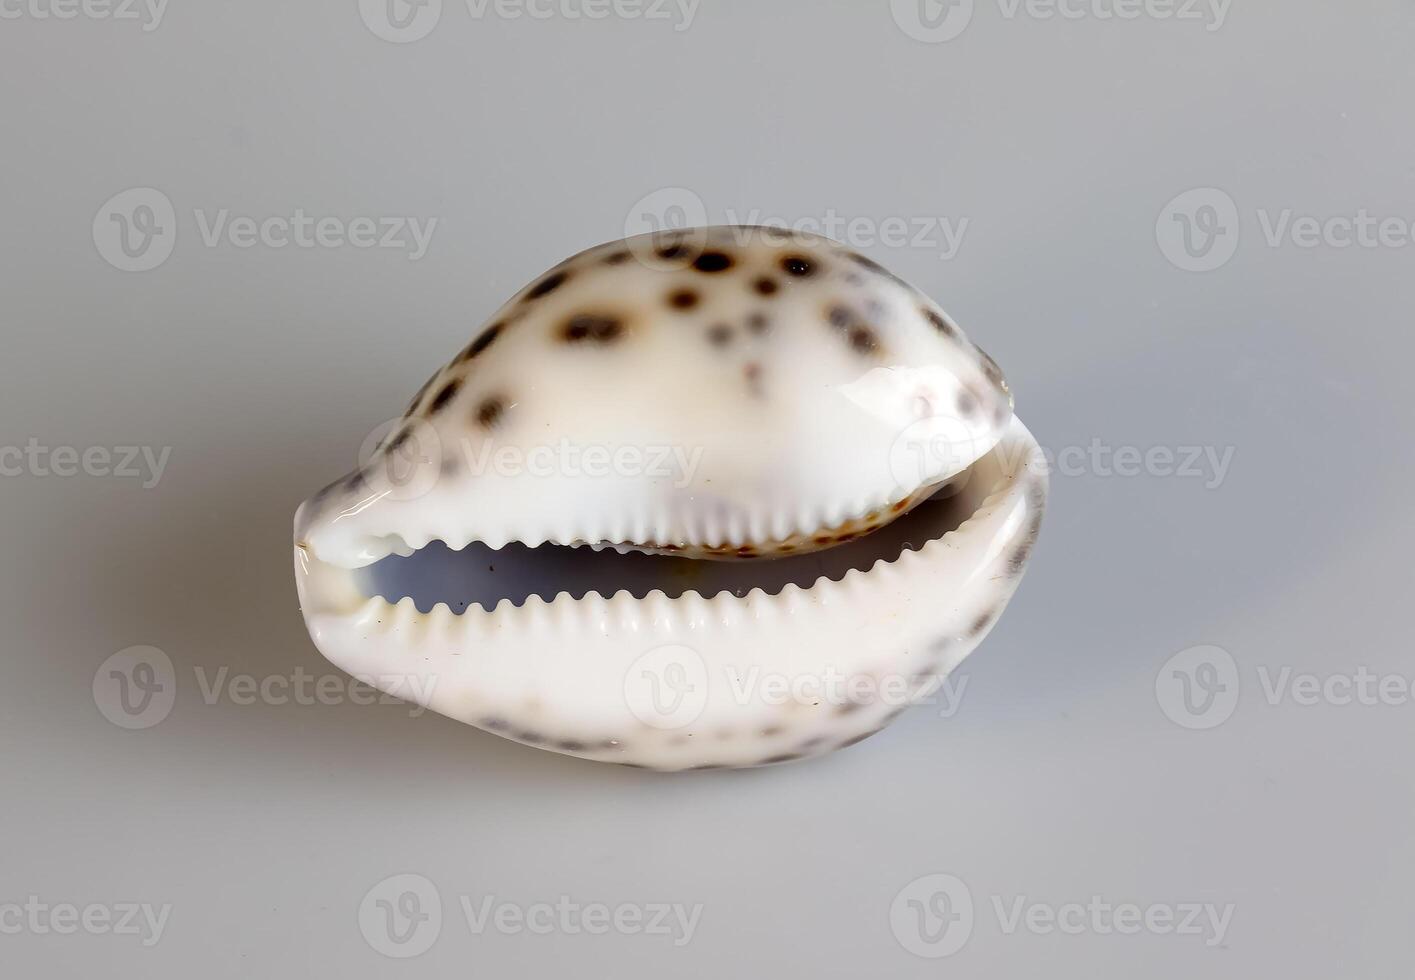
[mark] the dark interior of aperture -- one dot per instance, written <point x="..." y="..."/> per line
<point x="479" y="575"/>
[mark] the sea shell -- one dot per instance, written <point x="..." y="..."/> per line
<point x="716" y="498"/>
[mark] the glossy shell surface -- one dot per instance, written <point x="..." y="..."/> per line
<point x="773" y="405"/>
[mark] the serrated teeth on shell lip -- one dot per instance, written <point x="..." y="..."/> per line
<point x="559" y="672"/>
<point x="670" y="530"/>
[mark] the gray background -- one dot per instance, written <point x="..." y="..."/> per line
<point x="1061" y="776"/>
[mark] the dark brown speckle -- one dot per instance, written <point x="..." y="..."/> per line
<point x="547" y="285"/>
<point x="713" y="262"/>
<point x="490" y="411"/>
<point x="798" y="266"/>
<point x="487" y="338"/>
<point x="445" y="395"/>
<point x="593" y="328"/>
<point x="683" y="299"/>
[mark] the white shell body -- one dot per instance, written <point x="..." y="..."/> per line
<point x="726" y="394"/>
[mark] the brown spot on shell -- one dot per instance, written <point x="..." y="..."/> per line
<point x="547" y="285"/>
<point x="445" y="395"/>
<point x="713" y="262"/>
<point x="593" y="328"/>
<point x="490" y="412"/>
<point x="991" y="369"/>
<point x="864" y="340"/>
<point x="981" y="624"/>
<point x="487" y="338"/>
<point x="753" y="373"/>
<point x="785" y="757"/>
<point x="719" y="335"/>
<point x="798" y="266"/>
<point x="766" y="286"/>
<point x="398" y="441"/>
<point x="940" y="324"/>
<point x="683" y="299"/>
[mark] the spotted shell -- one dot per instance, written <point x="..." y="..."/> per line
<point x="618" y="438"/>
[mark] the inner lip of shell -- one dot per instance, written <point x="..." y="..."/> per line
<point x="479" y="575"/>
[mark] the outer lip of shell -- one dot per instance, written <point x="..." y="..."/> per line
<point x="558" y="674"/>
